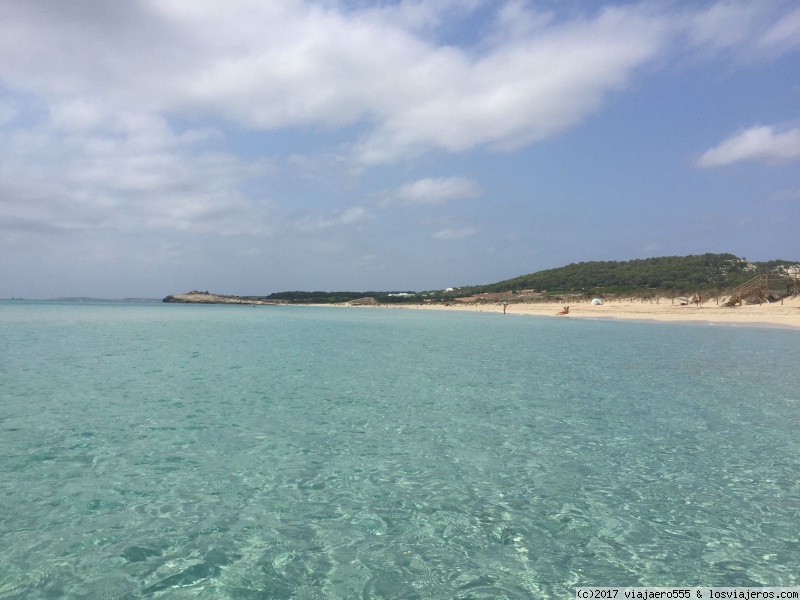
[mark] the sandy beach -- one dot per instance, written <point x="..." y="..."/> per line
<point x="777" y="314"/>
<point x="784" y="313"/>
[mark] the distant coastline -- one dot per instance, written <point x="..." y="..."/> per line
<point x="710" y="275"/>
<point x="88" y="299"/>
<point x="712" y="288"/>
<point x="196" y="297"/>
<point x="784" y="313"/>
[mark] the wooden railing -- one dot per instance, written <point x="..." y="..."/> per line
<point x="757" y="286"/>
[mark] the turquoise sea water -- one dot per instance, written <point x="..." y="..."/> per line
<point x="167" y="451"/>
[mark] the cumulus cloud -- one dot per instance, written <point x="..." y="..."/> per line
<point x="268" y="65"/>
<point x="436" y="191"/>
<point x="520" y="91"/>
<point x="757" y="143"/>
<point x="132" y="173"/>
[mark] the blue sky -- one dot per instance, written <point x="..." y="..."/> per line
<point x="157" y="146"/>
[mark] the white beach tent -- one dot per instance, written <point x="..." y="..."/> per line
<point x="596" y="301"/>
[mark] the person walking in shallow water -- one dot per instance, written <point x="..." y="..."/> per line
<point x="504" y="306"/>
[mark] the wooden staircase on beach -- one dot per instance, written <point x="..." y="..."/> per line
<point x="758" y="286"/>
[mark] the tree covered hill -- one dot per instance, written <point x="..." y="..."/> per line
<point x="693" y="272"/>
<point x="682" y="274"/>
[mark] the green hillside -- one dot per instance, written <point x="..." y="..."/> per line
<point x="680" y="274"/>
<point x="675" y="273"/>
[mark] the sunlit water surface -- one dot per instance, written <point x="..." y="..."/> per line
<point x="165" y="451"/>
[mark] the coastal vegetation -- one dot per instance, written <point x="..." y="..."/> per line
<point x="666" y="274"/>
<point x="712" y="274"/>
<point x="337" y="297"/>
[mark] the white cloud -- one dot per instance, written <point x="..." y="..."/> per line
<point x="277" y="65"/>
<point x="515" y="19"/>
<point x="724" y="24"/>
<point x="353" y="215"/>
<point x="516" y="93"/>
<point x="757" y="143"/>
<point x="269" y="65"/>
<point x="136" y="175"/>
<point x="423" y="16"/>
<point x="436" y="191"/>
<point x="746" y="31"/>
<point x="455" y="233"/>
<point x="784" y="34"/>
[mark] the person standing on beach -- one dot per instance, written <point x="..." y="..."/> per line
<point x="504" y="306"/>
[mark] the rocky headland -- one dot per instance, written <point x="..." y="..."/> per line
<point x="196" y="297"/>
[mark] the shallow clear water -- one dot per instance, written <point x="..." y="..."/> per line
<point x="167" y="451"/>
